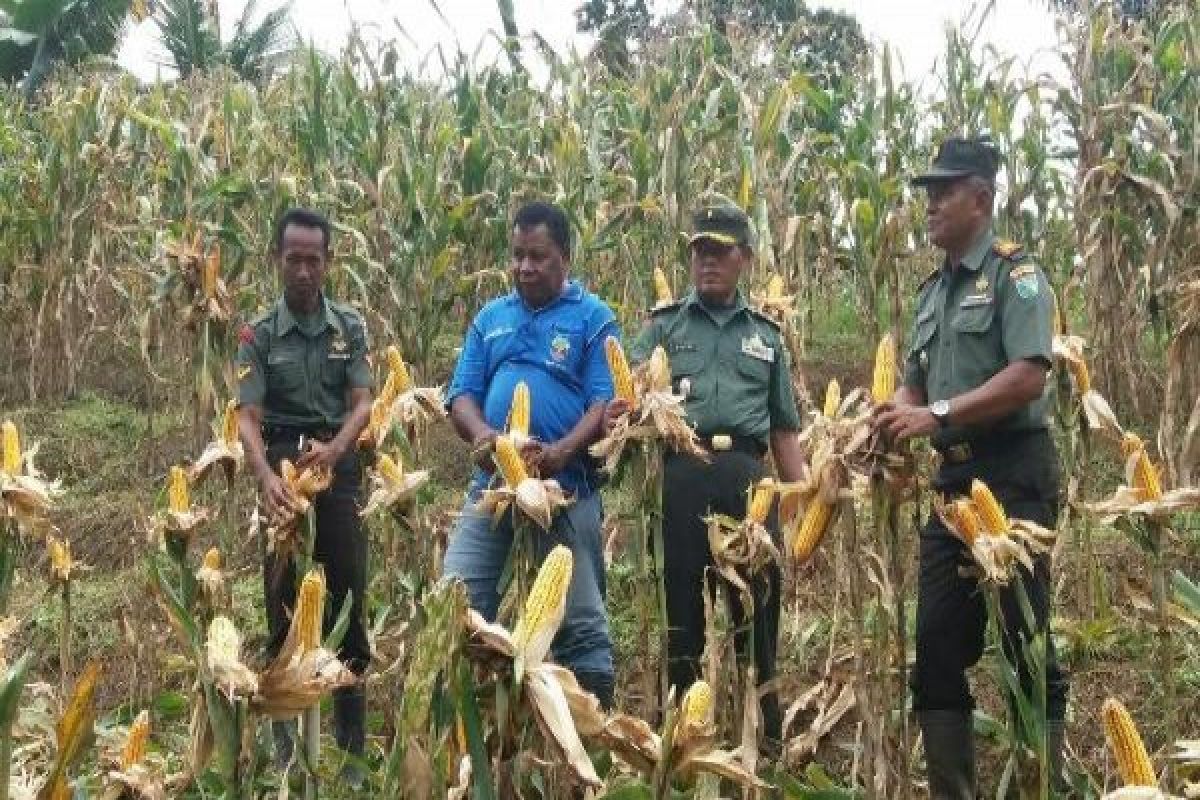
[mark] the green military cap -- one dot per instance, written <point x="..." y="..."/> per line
<point x="959" y="157"/>
<point x="721" y="222"/>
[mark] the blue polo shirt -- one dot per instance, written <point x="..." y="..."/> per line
<point x="558" y="350"/>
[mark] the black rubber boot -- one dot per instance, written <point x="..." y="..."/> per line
<point x="1056" y="734"/>
<point x="601" y="684"/>
<point x="350" y="732"/>
<point x="949" y="754"/>
<point x="284" y="735"/>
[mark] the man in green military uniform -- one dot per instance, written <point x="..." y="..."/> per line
<point x="305" y="394"/>
<point x="730" y="362"/>
<point x="974" y="377"/>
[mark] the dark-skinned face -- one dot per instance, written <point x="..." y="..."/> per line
<point x="303" y="260"/>
<point x="716" y="269"/>
<point x="538" y="266"/>
<point x="957" y="209"/>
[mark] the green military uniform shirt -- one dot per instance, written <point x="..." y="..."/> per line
<point x="971" y="322"/>
<point x="300" y="370"/>
<point x="734" y="362"/>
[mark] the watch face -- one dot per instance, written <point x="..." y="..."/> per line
<point x="940" y="409"/>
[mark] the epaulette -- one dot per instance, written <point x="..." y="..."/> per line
<point x="1008" y="250"/>
<point x="759" y="314"/>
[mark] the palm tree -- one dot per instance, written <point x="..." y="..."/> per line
<point x="35" y="35"/>
<point x="189" y="30"/>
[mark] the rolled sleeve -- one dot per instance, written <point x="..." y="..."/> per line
<point x="644" y="343"/>
<point x="251" y="377"/>
<point x="781" y="400"/>
<point x="597" y="379"/>
<point x="1026" y="311"/>
<point x="470" y="373"/>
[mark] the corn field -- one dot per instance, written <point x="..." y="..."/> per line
<point x="135" y="224"/>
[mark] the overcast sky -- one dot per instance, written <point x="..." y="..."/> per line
<point x="914" y="28"/>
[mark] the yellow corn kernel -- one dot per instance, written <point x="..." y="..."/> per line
<point x="775" y="286"/>
<point x="229" y="423"/>
<point x="1145" y="477"/>
<point x="518" y="412"/>
<point x="211" y="272"/>
<point x="964" y="520"/>
<point x="510" y="463"/>
<point x="619" y="367"/>
<point x="135" y="743"/>
<point x="697" y="705"/>
<point x="883" y="384"/>
<point x="12" y="448"/>
<point x="392" y="471"/>
<point x="833" y="398"/>
<point x="177" y="491"/>
<point x="399" y="369"/>
<point x="662" y="288"/>
<point x="310" y="611"/>
<point x="990" y="512"/>
<point x="547" y="596"/>
<point x="760" y="502"/>
<point x="1126" y="744"/>
<point x="811" y="529"/>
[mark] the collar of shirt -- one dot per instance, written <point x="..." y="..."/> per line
<point x="285" y="320"/>
<point x="976" y="253"/>
<point x="720" y="315"/>
<point x="571" y="293"/>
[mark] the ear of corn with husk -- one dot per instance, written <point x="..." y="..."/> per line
<point x="883" y="383"/>
<point x="1125" y="743"/>
<point x="226" y="450"/>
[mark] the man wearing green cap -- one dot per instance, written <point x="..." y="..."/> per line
<point x="974" y="377"/>
<point x="730" y="362"/>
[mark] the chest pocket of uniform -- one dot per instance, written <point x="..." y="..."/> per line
<point x="975" y="319"/>
<point x="285" y="370"/>
<point x="686" y="364"/>
<point x="333" y="371"/>
<point x="755" y="371"/>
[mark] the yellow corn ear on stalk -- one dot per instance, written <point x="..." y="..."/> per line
<point x="811" y="528"/>
<point x="510" y="463"/>
<point x="310" y="611"/>
<point x="76" y="722"/>
<point x="965" y="520"/>
<point x="833" y="398"/>
<point x="760" y="502"/>
<point x="229" y="423"/>
<point x="60" y="557"/>
<point x="1145" y="477"/>
<point x="135" y="743"/>
<point x="12" y="448"/>
<point x="399" y="369"/>
<point x="619" y="367"/>
<point x="1133" y="763"/>
<point x="518" y="412"/>
<point x="212" y="559"/>
<point x="883" y="384"/>
<point x="389" y="469"/>
<point x="1083" y="378"/>
<point x="991" y="514"/>
<point x="662" y="289"/>
<point x="177" y="490"/>
<point x="549" y="592"/>
<point x="212" y="269"/>
<point x="697" y="705"/>
<point x="775" y="286"/>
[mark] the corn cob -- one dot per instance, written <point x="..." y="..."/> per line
<point x="547" y="595"/>
<point x="177" y="491"/>
<point x="883" y="383"/>
<point x="212" y="559"/>
<point x="397" y="367"/>
<point x="76" y="722"/>
<point x="12" y="448"/>
<point x="60" y="557"/>
<point x="518" y="412"/>
<point x="659" y="370"/>
<point x="212" y="269"/>
<point x="811" y="529"/>
<point x="135" y="743"/>
<point x="1127" y="747"/>
<point x="760" y="502"/>
<point x="1145" y="477"/>
<point x="619" y="367"/>
<point x="1083" y="378"/>
<point x="662" y="289"/>
<point x="962" y="517"/>
<point x="991" y="514"/>
<point x="697" y="705"/>
<point x="510" y="463"/>
<point x="833" y="398"/>
<point x="775" y="286"/>
<point x="310" y="611"/>
<point x="392" y="471"/>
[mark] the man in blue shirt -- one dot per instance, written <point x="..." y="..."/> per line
<point x="549" y="332"/>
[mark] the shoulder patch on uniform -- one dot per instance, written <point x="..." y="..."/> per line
<point x="762" y="315"/>
<point x="1006" y="248"/>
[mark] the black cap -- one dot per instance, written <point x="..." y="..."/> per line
<point x="721" y="222"/>
<point x="959" y="157"/>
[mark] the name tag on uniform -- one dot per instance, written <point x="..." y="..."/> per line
<point x="755" y="347"/>
<point x="339" y="356"/>
<point x="283" y="358"/>
<point x="973" y="300"/>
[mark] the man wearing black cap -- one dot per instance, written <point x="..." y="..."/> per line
<point x="730" y="362"/>
<point x="974" y="376"/>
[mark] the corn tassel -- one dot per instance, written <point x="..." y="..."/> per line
<point x="310" y="611"/>
<point x="510" y="463"/>
<point x="12" y="448"/>
<point x="1127" y="747"/>
<point x="619" y="367"/>
<point x="398" y="368"/>
<point x="833" y="398"/>
<point x="177" y="491"/>
<point x="697" y="705"/>
<point x="229" y="423"/>
<point x="548" y="593"/>
<point x="760" y="502"/>
<point x="883" y="384"/>
<point x="662" y="288"/>
<point x="811" y="529"/>
<point x="212" y="559"/>
<point x="991" y="514"/>
<point x="518" y="412"/>
<point x="135" y="743"/>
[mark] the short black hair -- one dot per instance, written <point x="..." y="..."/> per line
<point x="554" y="218"/>
<point x="304" y="218"/>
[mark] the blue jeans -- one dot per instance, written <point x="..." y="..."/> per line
<point x="477" y="552"/>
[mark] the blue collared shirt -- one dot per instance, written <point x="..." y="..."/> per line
<point x="557" y="350"/>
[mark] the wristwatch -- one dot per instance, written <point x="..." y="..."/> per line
<point x="941" y="412"/>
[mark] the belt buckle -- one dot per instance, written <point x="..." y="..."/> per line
<point x="722" y="442"/>
<point x="959" y="453"/>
